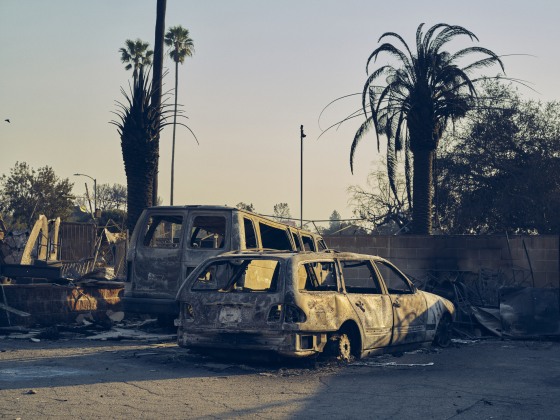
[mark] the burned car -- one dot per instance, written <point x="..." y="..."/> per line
<point x="307" y="303"/>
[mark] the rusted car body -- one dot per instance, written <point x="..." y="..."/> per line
<point x="168" y="242"/>
<point x="301" y="304"/>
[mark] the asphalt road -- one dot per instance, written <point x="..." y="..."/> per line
<point x="87" y="379"/>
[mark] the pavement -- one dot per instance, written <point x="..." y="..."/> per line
<point x="148" y="376"/>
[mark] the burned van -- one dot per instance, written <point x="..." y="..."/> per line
<point x="168" y="242"/>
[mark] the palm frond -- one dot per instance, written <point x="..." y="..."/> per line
<point x="332" y="102"/>
<point x="360" y="133"/>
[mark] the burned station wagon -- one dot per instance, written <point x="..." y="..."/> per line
<point x="303" y="304"/>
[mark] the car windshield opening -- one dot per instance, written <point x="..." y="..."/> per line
<point x="239" y="276"/>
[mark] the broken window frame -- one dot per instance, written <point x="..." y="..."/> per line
<point x="250" y="232"/>
<point x="219" y="240"/>
<point x="347" y="265"/>
<point x="151" y="238"/>
<point x="267" y="233"/>
<point x="311" y="275"/>
<point x="308" y="243"/>
<point x="394" y="278"/>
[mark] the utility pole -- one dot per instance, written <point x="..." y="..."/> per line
<point x="302" y="136"/>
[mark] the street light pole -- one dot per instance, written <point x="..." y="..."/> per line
<point x="94" y="191"/>
<point x="302" y="136"/>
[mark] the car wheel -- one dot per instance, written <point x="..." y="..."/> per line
<point x="443" y="333"/>
<point x="340" y="347"/>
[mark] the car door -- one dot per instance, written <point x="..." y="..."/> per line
<point x="157" y="262"/>
<point x="368" y="301"/>
<point x="409" y="306"/>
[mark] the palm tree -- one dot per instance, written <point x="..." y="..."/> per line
<point x="157" y="80"/>
<point x="139" y="123"/>
<point x="181" y="46"/>
<point x="136" y="54"/>
<point x="429" y="89"/>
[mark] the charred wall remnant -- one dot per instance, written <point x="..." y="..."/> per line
<point x="58" y="271"/>
<point x="50" y="304"/>
<point x="417" y="254"/>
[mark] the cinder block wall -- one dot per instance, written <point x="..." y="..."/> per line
<point x="416" y="255"/>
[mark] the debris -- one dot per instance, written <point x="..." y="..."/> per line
<point x="488" y="318"/>
<point x="149" y="353"/>
<point x="50" y="333"/>
<point x="24" y="336"/>
<point x="389" y="364"/>
<point x="462" y="341"/>
<point x="13" y="310"/>
<point x="14" y="329"/>
<point x="30" y="392"/>
<point x="127" y="334"/>
<point x="115" y="316"/>
<point x="529" y="312"/>
<point x="85" y="319"/>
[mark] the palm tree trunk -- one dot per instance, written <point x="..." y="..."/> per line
<point x="138" y="156"/>
<point x="174" y="127"/>
<point x="157" y="83"/>
<point x="422" y="198"/>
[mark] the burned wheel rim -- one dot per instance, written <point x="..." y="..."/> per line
<point x="443" y="333"/>
<point x="341" y="347"/>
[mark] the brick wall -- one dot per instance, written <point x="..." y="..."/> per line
<point x="416" y="255"/>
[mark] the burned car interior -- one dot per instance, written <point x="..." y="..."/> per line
<point x="208" y="232"/>
<point x="163" y="231"/>
<point x="239" y="276"/>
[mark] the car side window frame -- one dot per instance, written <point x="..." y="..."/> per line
<point x="311" y="274"/>
<point x="191" y="229"/>
<point x="411" y="289"/>
<point x="150" y="237"/>
<point x="248" y="223"/>
<point x="380" y="288"/>
<point x="308" y="242"/>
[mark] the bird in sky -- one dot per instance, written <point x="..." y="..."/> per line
<point x="7" y="120"/>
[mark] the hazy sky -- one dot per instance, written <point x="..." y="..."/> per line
<point x="261" y="69"/>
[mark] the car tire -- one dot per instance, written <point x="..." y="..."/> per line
<point x="443" y="332"/>
<point x="340" y="347"/>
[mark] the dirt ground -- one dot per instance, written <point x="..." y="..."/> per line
<point x="91" y="379"/>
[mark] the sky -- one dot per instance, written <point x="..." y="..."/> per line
<point x="261" y="69"/>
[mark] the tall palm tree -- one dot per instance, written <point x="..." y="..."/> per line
<point x="428" y="89"/>
<point x="136" y="54"/>
<point x="157" y="79"/>
<point x="139" y="123"/>
<point x="182" y="46"/>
